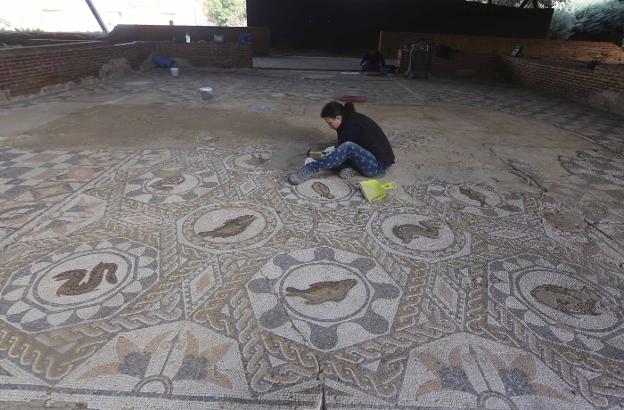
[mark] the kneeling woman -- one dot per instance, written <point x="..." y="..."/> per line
<point x="362" y="146"/>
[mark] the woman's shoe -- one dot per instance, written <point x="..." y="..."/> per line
<point x="300" y="176"/>
<point x="347" y="172"/>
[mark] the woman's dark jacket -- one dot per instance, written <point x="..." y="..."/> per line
<point x="365" y="132"/>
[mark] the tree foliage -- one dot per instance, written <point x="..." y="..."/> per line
<point x="226" y="12"/>
<point x="586" y="16"/>
<point x="4" y="24"/>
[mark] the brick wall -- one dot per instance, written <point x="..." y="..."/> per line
<point x="125" y="33"/>
<point x="468" y="63"/>
<point x="224" y="55"/>
<point x="602" y="87"/>
<point x="608" y="53"/>
<point x="27" y="70"/>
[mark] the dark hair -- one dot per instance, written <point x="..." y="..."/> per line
<point x="334" y="109"/>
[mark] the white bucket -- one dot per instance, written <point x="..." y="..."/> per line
<point x="174" y="71"/>
<point x="206" y="93"/>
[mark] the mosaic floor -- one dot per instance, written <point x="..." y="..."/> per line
<point x="197" y="277"/>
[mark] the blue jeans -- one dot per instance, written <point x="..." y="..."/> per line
<point x="350" y="154"/>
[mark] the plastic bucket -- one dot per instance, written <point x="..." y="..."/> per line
<point x="206" y="93"/>
<point x="174" y="71"/>
<point x="374" y="190"/>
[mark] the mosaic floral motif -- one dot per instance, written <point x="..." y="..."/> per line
<point x="78" y="283"/>
<point x="404" y="232"/>
<point x="561" y="303"/>
<point x="466" y="371"/>
<point x="336" y="297"/>
<point x="177" y="358"/>
<point x="323" y="193"/>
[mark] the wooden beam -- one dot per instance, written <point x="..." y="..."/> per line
<point x="97" y="16"/>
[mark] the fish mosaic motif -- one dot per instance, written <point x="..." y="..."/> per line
<point x="321" y="292"/>
<point x="74" y="285"/>
<point x="474" y="195"/>
<point x="168" y="183"/>
<point x="584" y="301"/>
<point x="510" y="208"/>
<point x="322" y="190"/>
<point x="231" y="227"/>
<point x="408" y="232"/>
<point x="257" y="159"/>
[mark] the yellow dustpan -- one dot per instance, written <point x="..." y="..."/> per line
<point x="374" y="190"/>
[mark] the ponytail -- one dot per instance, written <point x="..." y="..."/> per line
<point x="349" y="108"/>
<point x="334" y="109"/>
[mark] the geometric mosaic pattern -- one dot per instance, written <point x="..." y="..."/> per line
<point x="309" y="288"/>
<point x="198" y="277"/>
<point x="204" y="292"/>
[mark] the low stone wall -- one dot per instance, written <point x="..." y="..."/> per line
<point x="28" y="70"/>
<point x="223" y="55"/>
<point x="601" y="87"/>
<point x="474" y="64"/>
<point x="607" y="53"/>
<point x="124" y="33"/>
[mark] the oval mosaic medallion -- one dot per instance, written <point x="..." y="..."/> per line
<point x="404" y="232"/>
<point x="560" y="302"/>
<point x="477" y="199"/>
<point x="326" y="193"/>
<point x="307" y="286"/>
<point x="255" y="162"/>
<point x="84" y="277"/>
<point x="170" y="184"/>
<point x="77" y="283"/>
<point x="336" y="298"/>
<point x="223" y="227"/>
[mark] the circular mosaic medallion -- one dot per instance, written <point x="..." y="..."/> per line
<point x="339" y="280"/>
<point x="252" y="162"/>
<point x="233" y="226"/>
<point x="178" y="184"/>
<point x="477" y="199"/>
<point x="474" y="195"/>
<point x="85" y="281"/>
<point x="404" y="232"/>
<point x="569" y="300"/>
<point x="601" y="166"/>
<point x="337" y="298"/>
<point x="327" y="193"/>
<point x="170" y="184"/>
<point x="253" y="159"/>
<point x="69" y="283"/>
<point x="560" y="302"/>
